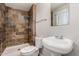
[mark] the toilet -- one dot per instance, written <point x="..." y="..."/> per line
<point x="32" y="50"/>
<point x="29" y="51"/>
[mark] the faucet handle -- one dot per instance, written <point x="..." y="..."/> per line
<point x="61" y="37"/>
<point x="56" y="36"/>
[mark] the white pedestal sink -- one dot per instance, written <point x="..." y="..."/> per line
<point x="54" y="46"/>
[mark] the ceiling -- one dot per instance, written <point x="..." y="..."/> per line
<point x="21" y="6"/>
<point x="55" y="5"/>
<point x="27" y="6"/>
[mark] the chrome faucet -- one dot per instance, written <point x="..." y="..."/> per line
<point x="59" y="37"/>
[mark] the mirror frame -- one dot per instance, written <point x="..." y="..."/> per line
<point x="52" y="20"/>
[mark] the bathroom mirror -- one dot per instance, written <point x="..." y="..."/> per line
<point x="59" y="14"/>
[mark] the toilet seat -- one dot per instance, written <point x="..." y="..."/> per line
<point x="29" y="50"/>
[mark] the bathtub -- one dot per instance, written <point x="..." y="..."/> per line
<point x="13" y="50"/>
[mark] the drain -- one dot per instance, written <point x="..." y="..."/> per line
<point x="19" y="49"/>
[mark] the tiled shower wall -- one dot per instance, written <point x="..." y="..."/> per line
<point x="14" y="27"/>
<point x="2" y="28"/>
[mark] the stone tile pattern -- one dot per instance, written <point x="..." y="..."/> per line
<point x="2" y="28"/>
<point x="16" y="28"/>
<point x="13" y="27"/>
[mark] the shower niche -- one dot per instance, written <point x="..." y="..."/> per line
<point x="19" y="27"/>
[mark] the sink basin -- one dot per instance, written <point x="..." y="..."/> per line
<point x="62" y="46"/>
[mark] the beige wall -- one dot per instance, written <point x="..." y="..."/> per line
<point x="70" y="31"/>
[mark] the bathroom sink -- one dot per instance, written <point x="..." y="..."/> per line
<point x="62" y="46"/>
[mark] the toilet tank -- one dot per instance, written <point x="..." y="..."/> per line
<point x="38" y="42"/>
